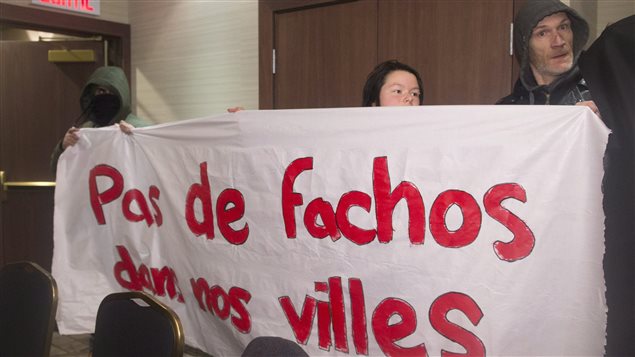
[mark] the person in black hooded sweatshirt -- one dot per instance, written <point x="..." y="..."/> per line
<point x="105" y="100"/>
<point x="548" y="39"/>
<point x="609" y="68"/>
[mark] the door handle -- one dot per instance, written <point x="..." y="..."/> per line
<point x="5" y="185"/>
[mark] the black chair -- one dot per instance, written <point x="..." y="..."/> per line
<point x="28" y="303"/>
<point x="136" y="324"/>
<point x="270" y="346"/>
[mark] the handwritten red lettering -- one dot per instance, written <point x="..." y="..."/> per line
<point x="331" y="318"/>
<point x="336" y="300"/>
<point x="165" y="282"/>
<point x="157" y="281"/>
<point x="238" y="298"/>
<point x="320" y="220"/>
<point x="218" y="301"/>
<point x="387" y="334"/>
<point x="523" y="242"/>
<point x="224" y="305"/>
<point x="137" y="197"/>
<point x="355" y="234"/>
<point x="439" y="321"/>
<point x="323" y="210"/>
<point x="154" y="194"/>
<point x="200" y="192"/>
<point x="358" y="316"/>
<point x="302" y="323"/>
<point x="230" y="207"/>
<point x="291" y="199"/>
<point x="387" y="200"/>
<point x="324" y="325"/>
<point x="470" y="211"/>
<point x="99" y="198"/>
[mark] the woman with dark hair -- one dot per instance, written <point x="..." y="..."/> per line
<point x="393" y="83"/>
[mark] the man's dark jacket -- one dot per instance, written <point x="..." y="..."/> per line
<point x="609" y="68"/>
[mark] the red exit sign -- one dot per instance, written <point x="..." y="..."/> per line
<point x="84" y="6"/>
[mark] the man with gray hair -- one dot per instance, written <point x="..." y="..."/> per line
<point x="548" y="39"/>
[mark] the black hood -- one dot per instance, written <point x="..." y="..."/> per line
<point x="532" y="12"/>
<point x="115" y="80"/>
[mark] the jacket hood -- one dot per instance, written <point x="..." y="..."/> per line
<point x="532" y="12"/>
<point x="115" y="80"/>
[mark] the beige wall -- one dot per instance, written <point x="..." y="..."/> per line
<point x="588" y="9"/>
<point x="610" y="11"/>
<point x="189" y="58"/>
<point x="193" y="58"/>
<point x="111" y="10"/>
<point x="601" y="13"/>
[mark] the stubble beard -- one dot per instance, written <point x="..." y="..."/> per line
<point x="548" y="71"/>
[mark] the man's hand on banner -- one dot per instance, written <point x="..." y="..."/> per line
<point x="590" y="104"/>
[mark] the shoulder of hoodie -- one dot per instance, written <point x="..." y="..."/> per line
<point x="136" y="121"/>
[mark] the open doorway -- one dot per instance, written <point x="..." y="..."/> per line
<point x="45" y="60"/>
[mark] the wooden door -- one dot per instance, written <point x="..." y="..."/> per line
<point x="39" y="101"/>
<point x="323" y="54"/>
<point x="461" y="48"/>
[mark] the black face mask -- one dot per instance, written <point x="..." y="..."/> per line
<point x="105" y="107"/>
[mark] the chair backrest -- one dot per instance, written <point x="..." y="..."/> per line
<point x="136" y="324"/>
<point x="270" y="346"/>
<point x="28" y="303"/>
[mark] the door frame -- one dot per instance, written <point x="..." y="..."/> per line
<point x="117" y="34"/>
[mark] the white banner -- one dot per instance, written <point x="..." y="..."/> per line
<point x="359" y="231"/>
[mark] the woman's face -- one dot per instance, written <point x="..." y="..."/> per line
<point x="400" y="88"/>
